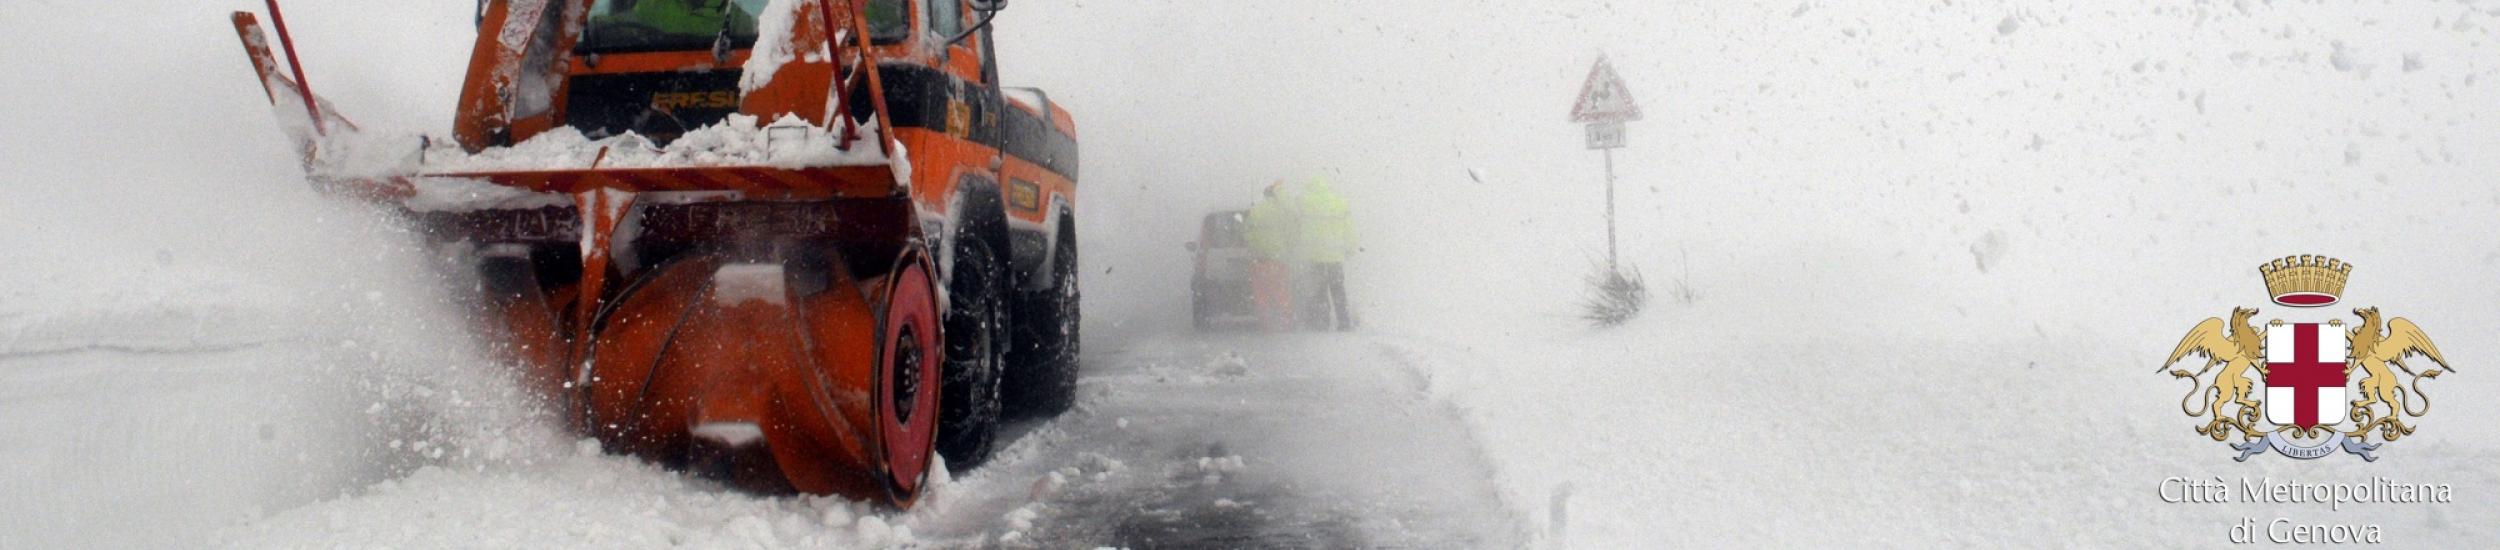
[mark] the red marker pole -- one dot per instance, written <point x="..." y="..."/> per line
<point x="302" y="87"/>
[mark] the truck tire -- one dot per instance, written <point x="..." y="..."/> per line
<point x="1044" y="380"/>
<point x="976" y="348"/>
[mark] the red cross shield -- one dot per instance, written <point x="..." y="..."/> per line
<point x="2304" y="384"/>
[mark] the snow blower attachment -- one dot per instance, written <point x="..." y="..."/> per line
<point x="709" y="242"/>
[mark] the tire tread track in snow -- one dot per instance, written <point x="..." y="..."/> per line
<point x="1240" y="440"/>
<point x="134" y="349"/>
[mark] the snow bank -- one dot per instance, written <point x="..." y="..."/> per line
<point x="244" y="364"/>
<point x="191" y="337"/>
<point x="583" y="500"/>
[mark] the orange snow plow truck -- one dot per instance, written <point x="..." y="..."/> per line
<point x="799" y="245"/>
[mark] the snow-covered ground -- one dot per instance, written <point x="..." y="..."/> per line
<point x="1940" y="252"/>
<point x="1937" y="252"/>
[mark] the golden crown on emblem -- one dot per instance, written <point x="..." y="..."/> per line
<point x="2305" y="280"/>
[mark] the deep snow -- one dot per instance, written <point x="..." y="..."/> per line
<point x="1937" y="251"/>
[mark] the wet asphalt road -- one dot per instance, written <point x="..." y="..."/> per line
<point x="1236" y="440"/>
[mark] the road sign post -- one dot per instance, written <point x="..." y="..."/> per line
<point x="1610" y="207"/>
<point x="1604" y="105"/>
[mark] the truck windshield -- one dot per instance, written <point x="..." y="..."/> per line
<point x="677" y="25"/>
<point x="1225" y="230"/>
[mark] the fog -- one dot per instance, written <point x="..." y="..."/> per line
<point x="1758" y="114"/>
<point x="2001" y="214"/>
<point x="1194" y="108"/>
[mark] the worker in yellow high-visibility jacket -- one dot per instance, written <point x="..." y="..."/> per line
<point x="1272" y="233"/>
<point x="1324" y="239"/>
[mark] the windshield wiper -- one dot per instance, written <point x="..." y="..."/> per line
<point x="720" y="41"/>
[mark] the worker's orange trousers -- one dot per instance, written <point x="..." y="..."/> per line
<point x="1271" y="288"/>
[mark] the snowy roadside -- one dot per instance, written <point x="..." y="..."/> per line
<point x="1655" y="435"/>
<point x="1893" y="405"/>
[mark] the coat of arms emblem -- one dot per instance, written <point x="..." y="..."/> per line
<point x="2290" y="387"/>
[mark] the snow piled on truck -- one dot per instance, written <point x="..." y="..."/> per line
<point x="772" y="48"/>
<point x="740" y="140"/>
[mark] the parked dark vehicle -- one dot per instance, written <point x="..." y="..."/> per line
<point x="1220" y="287"/>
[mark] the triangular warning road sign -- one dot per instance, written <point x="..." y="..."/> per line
<point x="1604" y="98"/>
